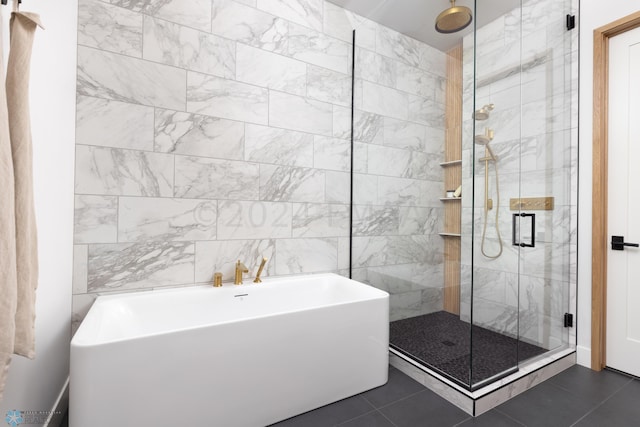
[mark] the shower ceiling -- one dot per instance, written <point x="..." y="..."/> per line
<point x="416" y="18"/>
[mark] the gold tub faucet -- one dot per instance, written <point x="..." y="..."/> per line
<point x="257" y="279"/>
<point x="240" y="268"/>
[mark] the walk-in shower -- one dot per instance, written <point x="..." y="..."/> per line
<point x="464" y="148"/>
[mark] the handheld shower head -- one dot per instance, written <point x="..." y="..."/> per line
<point x="483" y="113"/>
<point x="484" y="140"/>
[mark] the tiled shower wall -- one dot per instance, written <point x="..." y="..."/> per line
<point x="524" y="292"/>
<point x="399" y="142"/>
<point x="215" y="130"/>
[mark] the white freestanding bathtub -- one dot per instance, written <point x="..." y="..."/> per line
<point x="248" y="355"/>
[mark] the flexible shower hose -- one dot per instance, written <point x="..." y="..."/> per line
<point x="486" y="212"/>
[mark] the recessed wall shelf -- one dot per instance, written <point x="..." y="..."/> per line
<point x="450" y="234"/>
<point x="451" y="163"/>
<point x="449" y="199"/>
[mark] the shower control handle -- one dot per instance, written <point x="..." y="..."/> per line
<point x="533" y="230"/>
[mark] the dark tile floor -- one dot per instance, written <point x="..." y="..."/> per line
<point x="575" y="397"/>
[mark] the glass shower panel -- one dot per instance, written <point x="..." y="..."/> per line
<point x="400" y="233"/>
<point x="547" y="160"/>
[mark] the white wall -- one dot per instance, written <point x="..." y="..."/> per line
<point x="593" y="14"/>
<point x="35" y="384"/>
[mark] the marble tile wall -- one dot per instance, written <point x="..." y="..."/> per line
<point x="210" y="131"/>
<point x="525" y="68"/>
<point x="215" y="130"/>
<point x="399" y="141"/>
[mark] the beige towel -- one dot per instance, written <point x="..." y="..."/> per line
<point x="19" y="259"/>
<point x="23" y="28"/>
<point x="8" y="283"/>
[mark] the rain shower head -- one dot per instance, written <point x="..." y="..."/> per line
<point x="483" y="113"/>
<point x="453" y="19"/>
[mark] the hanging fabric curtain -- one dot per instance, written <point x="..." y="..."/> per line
<point x="20" y="297"/>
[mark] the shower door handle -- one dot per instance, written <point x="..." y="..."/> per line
<point x="618" y="243"/>
<point x="533" y="230"/>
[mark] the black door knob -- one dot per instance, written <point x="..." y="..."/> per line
<point x="618" y="243"/>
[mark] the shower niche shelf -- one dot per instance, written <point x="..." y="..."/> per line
<point x="450" y="199"/>
<point x="451" y="163"/>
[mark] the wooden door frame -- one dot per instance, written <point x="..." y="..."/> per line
<point x="599" y="241"/>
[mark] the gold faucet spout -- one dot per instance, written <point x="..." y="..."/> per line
<point x="240" y="268"/>
<point x="262" y="264"/>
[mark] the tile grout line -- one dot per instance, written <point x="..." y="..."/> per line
<point x="507" y="415"/>
<point x="601" y="403"/>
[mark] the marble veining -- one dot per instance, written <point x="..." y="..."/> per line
<point x="320" y="220"/>
<point x="109" y="28"/>
<point x="95" y="219"/>
<point x="140" y="265"/>
<point x="301" y="114"/>
<point x="328" y="86"/>
<point x="304" y="12"/>
<point x="294" y="256"/>
<point x="198" y="135"/>
<point x="202" y="178"/>
<point x="122" y="78"/>
<point x="194" y="13"/>
<point x="337" y="187"/>
<point x="283" y="183"/>
<point x="185" y="47"/>
<point x="113" y="171"/>
<point x="146" y="219"/>
<point x="249" y="25"/>
<point x="254" y="220"/>
<point x="332" y="153"/>
<point x="318" y="49"/>
<point x="278" y="146"/>
<point x="215" y="96"/>
<point x="375" y="220"/>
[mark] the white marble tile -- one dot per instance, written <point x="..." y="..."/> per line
<point x="341" y="122"/>
<point x="80" y="305"/>
<point x="337" y="22"/>
<point x="365" y="189"/>
<point x="397" y="46"/>
<point x="304" y="12"/>
<point x="146" y="219"/>
<point x="194" y="13"/>
<point x="185" y="47"/>
<point x="409" y="192"/>
<point x="301" y="114"/>
<point x="95" y="219"/>
<point x="270" y="70"/>
<point x="360" y="157"/>
<point x="142" y="265"/>
<point x="113" y="124"/>
<point x="319" y="49"/>
<point x="122" y="78"/>
<point x="320" y="220"/>
<point x="389" y="250"/>
<point x="248" y="2"/>
<point x="202" y="178"/>
<point x="295" y="256"/>
<point x="193" y="134"/>
<point x="332" y="153"/>
<point x="416" y="82"/>
<point x="112" y="171"/>
<point x="80" y="259"/>
<point x="368" y="127"/>
<point x="390" y="161"/>
<point x="385" y="101"/>
<point x="215" y="96"/>
<point x="222" y="255"/>
<point x="337" y="187"/>
<point x="415" y="220"/>
<point x="433" y="60"/>
<point x="371" y="220"/>
<point x="278" y="146"/>
<point x="426" y="111"/>
<point x="328" y="86"/>
<point x="291" y="184"/>
<point x="376" y="68"/>
<point x="111" y="28"/>
<point x="251" y="26"/>
<point x="253" y="220"/>
<point x="344" y="246"/>
<point x="403" y="134"/>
